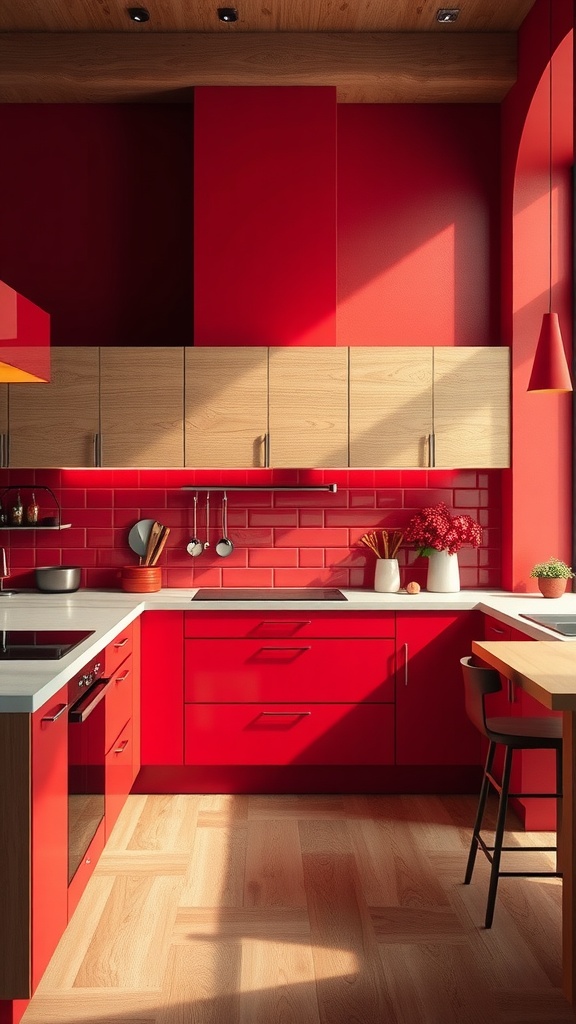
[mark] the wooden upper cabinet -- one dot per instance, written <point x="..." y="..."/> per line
<point x="472" y="407"/>
<point x="308" y="406"/>
<point x="56" y="424"/>
<point x="142" y="406"/>
<point x="390" y="406"/>
<point x="226" y="407"/>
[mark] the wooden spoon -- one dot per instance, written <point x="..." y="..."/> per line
<point x="160" y="545"/>
<point x="152" y="542"/>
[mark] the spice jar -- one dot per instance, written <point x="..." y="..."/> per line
<point x="17" y="512"/>
<point x="32" y="511"/>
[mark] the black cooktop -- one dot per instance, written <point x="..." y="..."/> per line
<point x="39" y="644"/>
<point x="271" y="594"/>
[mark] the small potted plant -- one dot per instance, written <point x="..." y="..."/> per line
<point x="552" y="577"/>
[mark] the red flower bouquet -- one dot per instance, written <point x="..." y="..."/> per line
<point x="435" y="529"/>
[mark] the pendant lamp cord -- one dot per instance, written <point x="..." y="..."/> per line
<point x="550" y="158"/>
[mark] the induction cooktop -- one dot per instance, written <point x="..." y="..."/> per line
<point x="269" y="594"/>
<point x="39" y="645"/>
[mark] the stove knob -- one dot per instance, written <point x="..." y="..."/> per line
<point x="97" y="668"/>
<point x="85" y="680"/>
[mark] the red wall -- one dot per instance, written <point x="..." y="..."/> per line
<point x="418" y="224"/>
<point x="537" y="491"/>
<point x="265" y="216"/>
<point x="96" y="219"/>
<point x="282" y="539"/>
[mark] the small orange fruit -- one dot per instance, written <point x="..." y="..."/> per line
<point x="413" y="588"/>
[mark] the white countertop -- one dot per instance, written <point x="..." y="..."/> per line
<point x="27" y="685"/>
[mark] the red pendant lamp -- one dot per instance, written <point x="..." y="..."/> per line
<point x="550" y="369"/>
<point x="24" y="339"/>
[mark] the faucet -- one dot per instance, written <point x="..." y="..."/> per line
<point x="4" y="574"/>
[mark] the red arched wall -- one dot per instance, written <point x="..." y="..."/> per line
<point x="537" y="493"/>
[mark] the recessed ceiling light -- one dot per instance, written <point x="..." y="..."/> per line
<point x="139" y="14"/>
<point x="447" y="14"/>
<point x="228" y="14"/>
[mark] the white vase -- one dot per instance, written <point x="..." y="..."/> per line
<point x="387" y="576"/>
<point x="443" y="573"/>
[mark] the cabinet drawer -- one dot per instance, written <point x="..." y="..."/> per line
<point x="288" y="624"/>
<point x="289" y="734"/>
<point x="118" y="650"/>
<point x="119" y="776"/>
<point x="335" y="671"/>
<point x="119" y="700"/>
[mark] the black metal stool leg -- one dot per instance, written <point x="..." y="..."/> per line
<point x="499" y="837"/>
<point x="479" y="813"/>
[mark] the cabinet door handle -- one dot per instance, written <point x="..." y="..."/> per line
<point x="284" y="714"/>
<point x="431" y="450"/>
<point x="3" y="459"/>
<point x="54" y="718"/>
<point x="285" y="648"/>
<point x="97" y="450"/>
<point x="405" y="664"/>
<point x="120" y="679"/>
<point x="494" y="630"/>
<point x="266" y="450"/>
<point x="121" y="748"/>
<point x="122" y="643"/>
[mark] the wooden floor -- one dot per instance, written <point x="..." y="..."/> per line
<point x="301" y="910"/>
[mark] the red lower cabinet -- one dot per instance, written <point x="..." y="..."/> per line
<point x="119" y="776"/>
<point x="432" y="727"/>
<point x="284" y="734"/>
<point x="162" y="688"/>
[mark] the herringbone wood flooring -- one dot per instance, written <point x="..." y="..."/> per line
<point x="303" y="910"/>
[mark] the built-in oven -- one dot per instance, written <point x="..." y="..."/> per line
<point x="86" y="760"/>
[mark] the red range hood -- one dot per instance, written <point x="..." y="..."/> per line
<point x="24" y="339"/>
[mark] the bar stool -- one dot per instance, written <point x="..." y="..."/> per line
<point x="513" y="734"/>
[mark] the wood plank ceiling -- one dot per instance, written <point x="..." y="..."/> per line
<point x="373" y="51"/>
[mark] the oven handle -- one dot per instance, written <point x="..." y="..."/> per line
<point x="85" y="705"/>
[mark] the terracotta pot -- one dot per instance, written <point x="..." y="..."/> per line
<point x="551" y="586"/>
<point x="141" y="579"/>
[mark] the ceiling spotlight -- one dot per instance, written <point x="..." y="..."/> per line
<point x="228" y="14"/>
<point x="447" y="14"/>
<point x="139" y="14"/>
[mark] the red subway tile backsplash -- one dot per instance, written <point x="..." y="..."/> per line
<point x="281" y="538"/>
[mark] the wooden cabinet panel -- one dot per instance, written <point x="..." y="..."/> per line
<point x="142" y="406"/>
<point x="289" y="624"/>
<point x="162" y="728"/>
<point x="226" y="407"/>
<point x="55" y="424"/>
<point x="472" y="407"/>
<point x="390" y="406"/>
<point x="276" y="734"/>
<point x="308" y="406"/>
<point x="335" y="671"/>
<point x="49" y="830"/>
<point x="432" y="726"/>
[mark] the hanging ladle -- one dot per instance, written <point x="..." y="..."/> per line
<point x="224" y="546"/>
<point x="195" y="547"/>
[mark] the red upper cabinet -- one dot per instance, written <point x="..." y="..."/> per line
<point x="432" y="726"/>
<point x="265" y="216"/>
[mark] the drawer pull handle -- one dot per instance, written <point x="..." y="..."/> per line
<point x="494" y="630"/>
<point x="285" y="622"/>
<point x="122" y="643"/>
<point x="283" y="714"/>
<point x="285" y="648"/>
<point x="121" y="748"/>
<point x="53" y="718"/>
<point x="120" y="679"/>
